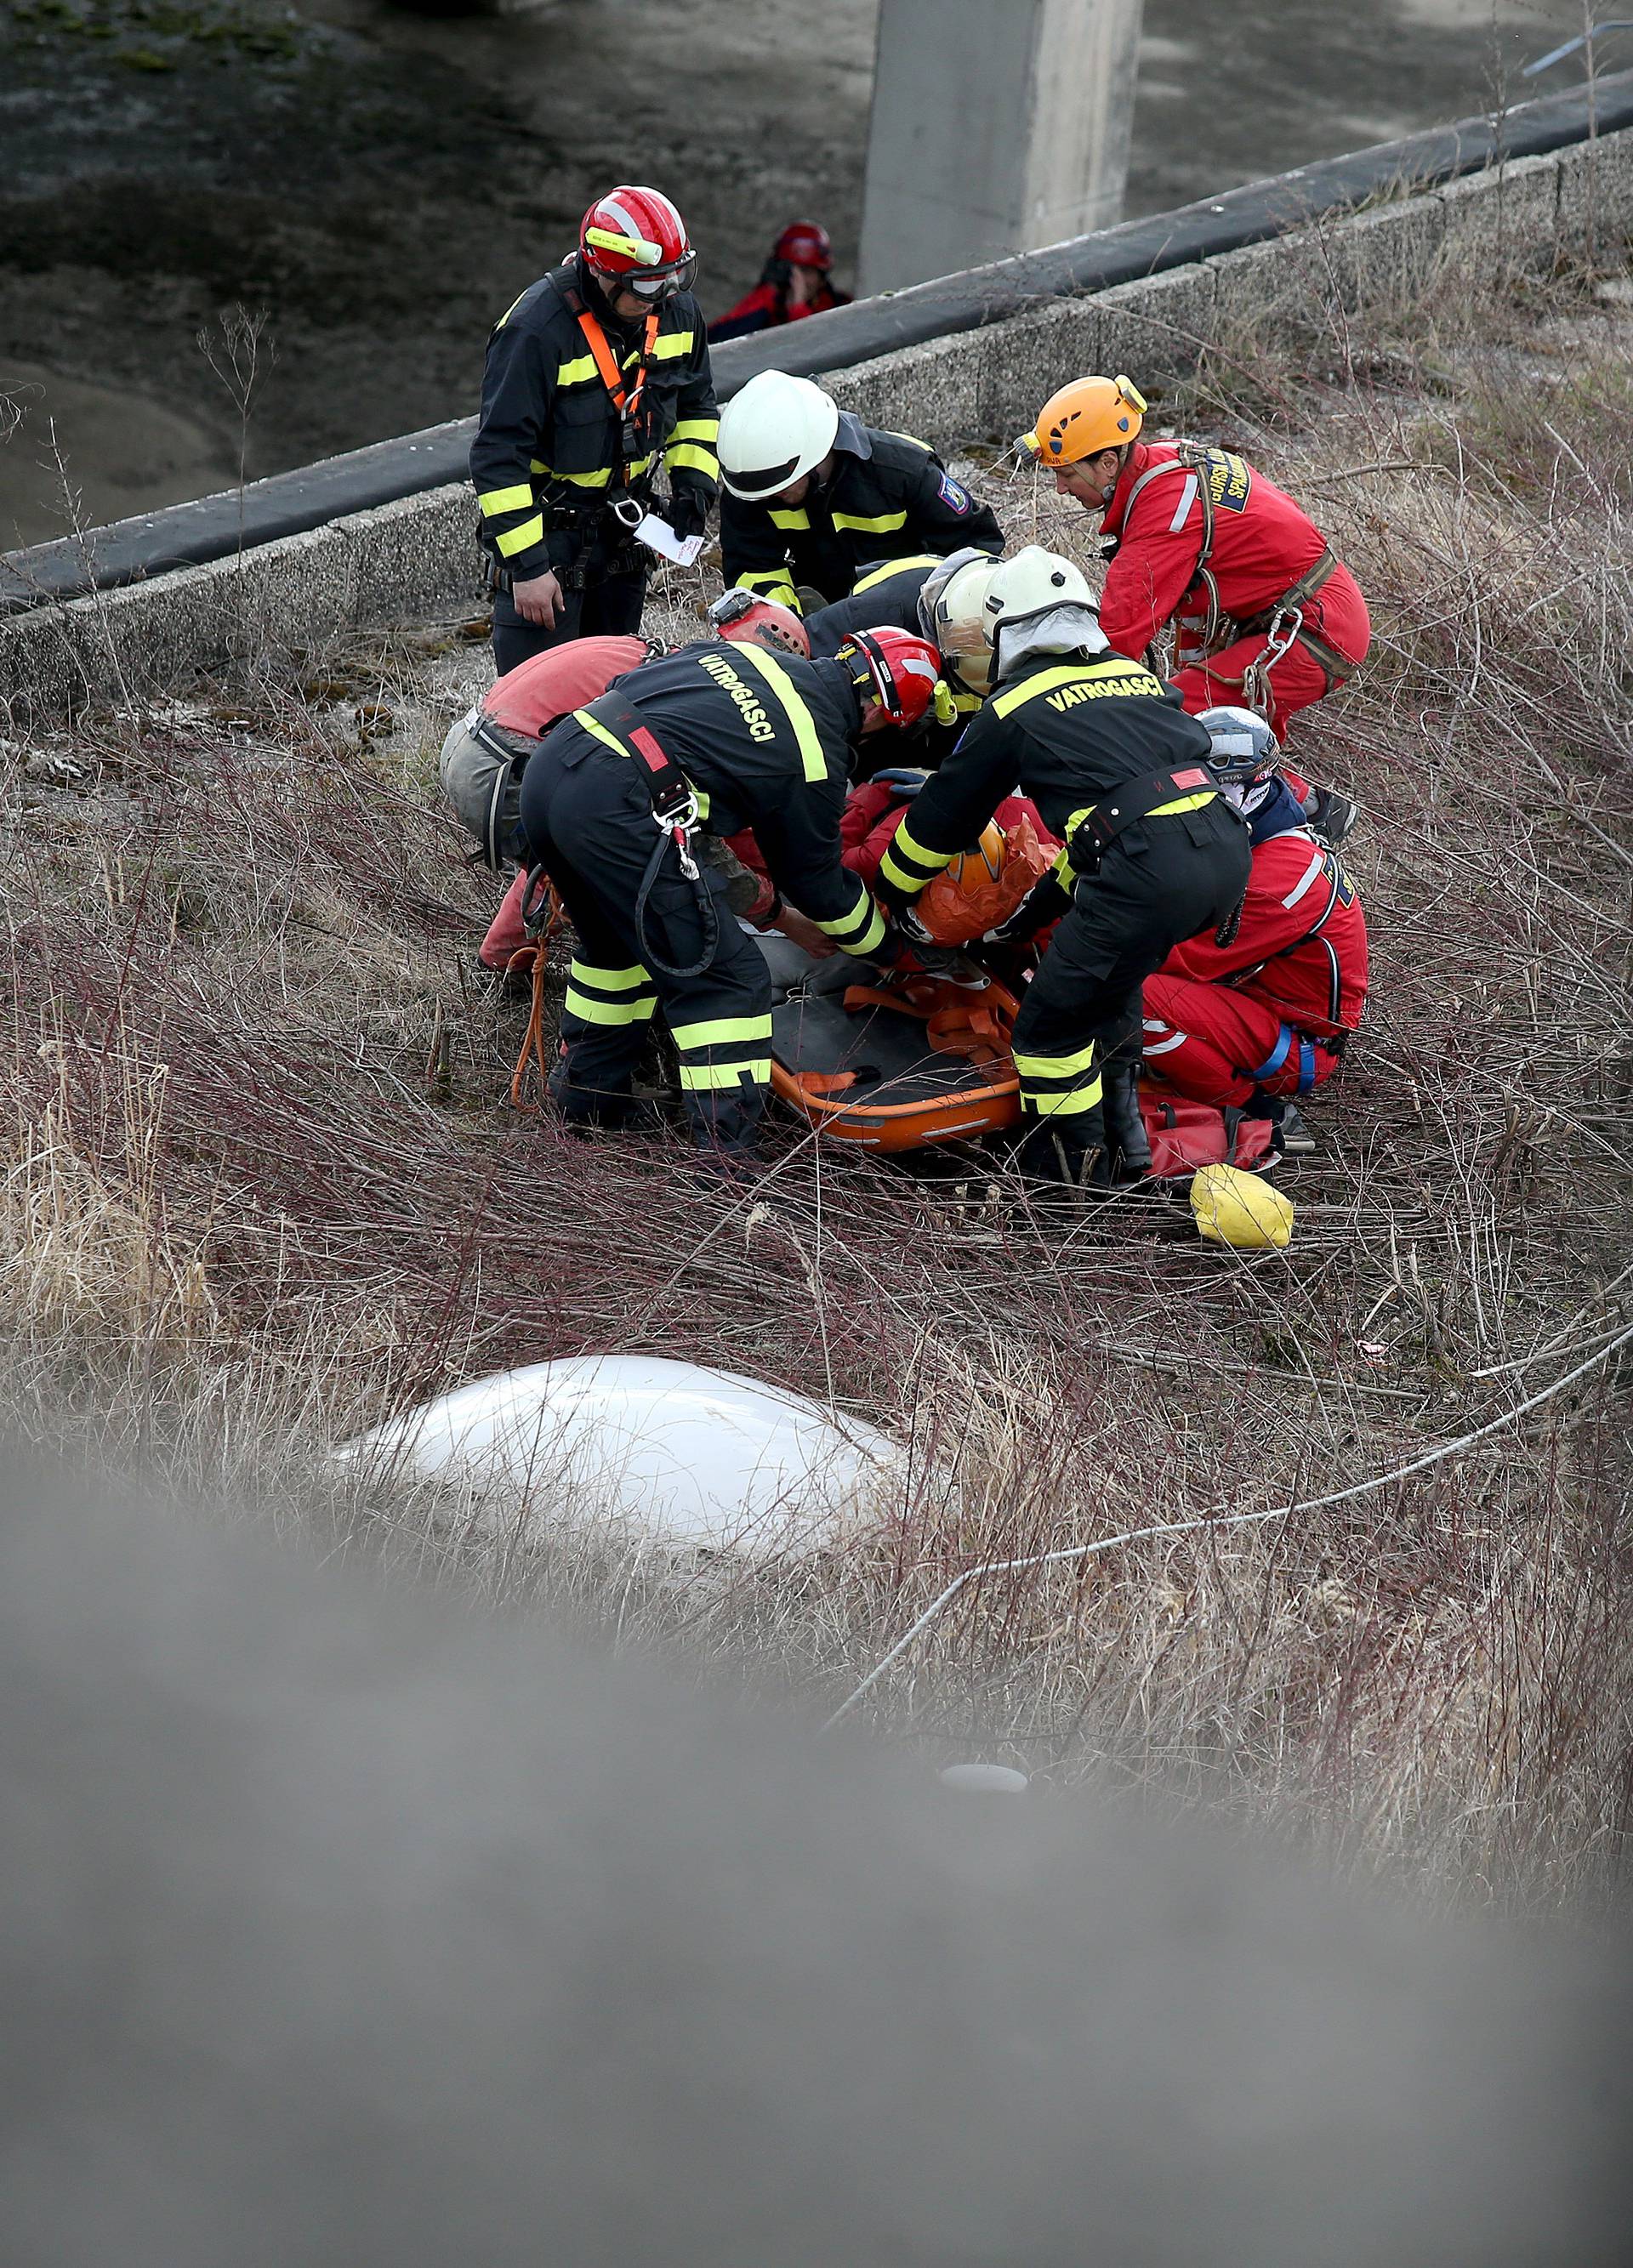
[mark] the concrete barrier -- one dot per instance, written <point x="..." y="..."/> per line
<point x="415" y="556"/>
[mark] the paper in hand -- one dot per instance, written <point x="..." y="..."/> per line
<point x="659" y="536"/>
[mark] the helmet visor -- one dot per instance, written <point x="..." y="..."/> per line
<point x="657" y="285"/>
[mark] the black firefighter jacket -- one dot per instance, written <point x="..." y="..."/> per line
<point x="547" y="443"/>
<point x="766" y="741"/>
<point x="1070" y="732"/>
<point x="888" y="497"/>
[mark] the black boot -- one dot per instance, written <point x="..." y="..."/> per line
<point x="1329" y="817"/>
<point x="1067" y="1150"/>
<point x="1129" y="1150"/>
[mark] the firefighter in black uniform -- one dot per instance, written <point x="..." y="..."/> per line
<point x="597" y="371"/>
<point x="816" y="499"/>
<point x="1154" y="855"/>
<point x="716" y="738"/>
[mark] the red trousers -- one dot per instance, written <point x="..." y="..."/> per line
<point x="506" y="935"/>
<point x="1219" y="1045"/>
<point x="1337" y="615"/>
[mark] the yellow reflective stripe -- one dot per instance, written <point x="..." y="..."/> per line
<point x="593" y="725"/>
<point x="795" y="517"/>
<point x="778" y="682"/>
<point x="1182" y="803"/>
<point x="1047" y="680"/>
<point x="1062" y="1106"/>
<point x="684" y="455"/>
<point x="699" y="1076"/>
<point x="908" y="865"/>
<point x="595" y="480"/>
<point x="579" y="372"/>
<point x="517" y="538"/>
<point x="871" y="938"/>
<point x="695" y="429"/>
<point x="880" y="524"/>
<point x="607" y="980"/>
<point x="720" y="1029"/>
<point x="609" y="1011"/>
<point x="966" y="703"/>
<point x="861" y="929"/>
<point x="772" y="584"/>
<point x="892" y="567"/>
<point x="1054" y="1066"/>
<point x="517" y="500"/>
<point x="671" y="345"/>
<point x="914" y="438"/>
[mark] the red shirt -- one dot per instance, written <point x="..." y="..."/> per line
<point x="1262" y="543"/>
<point x="1318" y="984"/>
<point x="539" y="692"/>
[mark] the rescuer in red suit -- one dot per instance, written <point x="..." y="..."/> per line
<point x="1264" y="1018"/>
<point x="1264" y="612"/>
<point x="794" y="283"/>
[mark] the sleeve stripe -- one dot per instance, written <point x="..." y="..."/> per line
<point x="523" y="538"/>
<point x="695" y="429"/>
<point x="682" y="457"/>
<point x="672" y="345"/>
<point x="496" y="500"/>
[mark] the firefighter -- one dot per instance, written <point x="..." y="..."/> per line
<point x="1154" y="853"/>
<point x="487" y="750"/>
<point x="1264" y="612"/>
<point x="1256" y="1022"/>
<point x="814" y="499"/>
<point x="795" y="281"/>
<point x="712" y="742"/>
<point x="597" y="372"/>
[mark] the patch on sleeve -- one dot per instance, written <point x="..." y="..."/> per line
<point x="955" y="498"/>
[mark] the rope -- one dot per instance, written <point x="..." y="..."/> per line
<point x="1211" y="1520"/>
<point x="532" y="1048"/>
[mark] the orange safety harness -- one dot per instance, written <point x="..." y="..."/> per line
<point x="626" y="399"/>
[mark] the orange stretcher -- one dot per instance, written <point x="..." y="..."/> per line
<point x="897" y="1063"/>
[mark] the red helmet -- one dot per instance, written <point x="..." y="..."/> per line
<point x="637" y="238"/>
<point x="902" y="672"/>
<point x="804" y="244"/>
<point x="748" y="621"/>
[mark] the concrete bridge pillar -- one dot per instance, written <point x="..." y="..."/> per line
<point x="997" y="126"/>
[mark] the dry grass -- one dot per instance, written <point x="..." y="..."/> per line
<point x="242" y="1220"/>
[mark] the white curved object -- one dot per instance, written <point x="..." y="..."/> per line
<point x="687" y="1454"/>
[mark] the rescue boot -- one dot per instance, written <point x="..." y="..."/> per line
<point x="1068" y="1154"/>
<point x="1128" y="1150"/>
<point x="1297" y="1139"/>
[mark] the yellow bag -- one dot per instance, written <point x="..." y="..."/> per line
<point x="1241" y="1209"/>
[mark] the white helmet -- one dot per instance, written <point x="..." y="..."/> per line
<point x="1034" y="583"/>
<point x="778" y="427"/>
<point x="1244" y="749"/>
<point x="951" y="602"/>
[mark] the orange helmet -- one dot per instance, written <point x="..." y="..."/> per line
<point x="745" y="620"/>
<point x="1090" y="415"/>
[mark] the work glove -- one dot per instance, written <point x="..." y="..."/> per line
<point x="686" y="514"/>
<point x="1045" y="902"/>
<point x="905" y="779"/>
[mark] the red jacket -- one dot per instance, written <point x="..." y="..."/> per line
<point x="1315" y="983"/>
<point x="767" y="306"/>
<point x="1262" y="544"/>
<point x="539" y="692"/>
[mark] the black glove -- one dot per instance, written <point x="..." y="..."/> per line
<point x="1045" y="902"/>
<point x="686" y="515"/>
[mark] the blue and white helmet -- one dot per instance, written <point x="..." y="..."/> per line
<point x="1244" y="749"/>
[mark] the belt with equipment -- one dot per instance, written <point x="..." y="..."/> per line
<point x="618" y="726"/>
<point x="1090" y="834"/>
